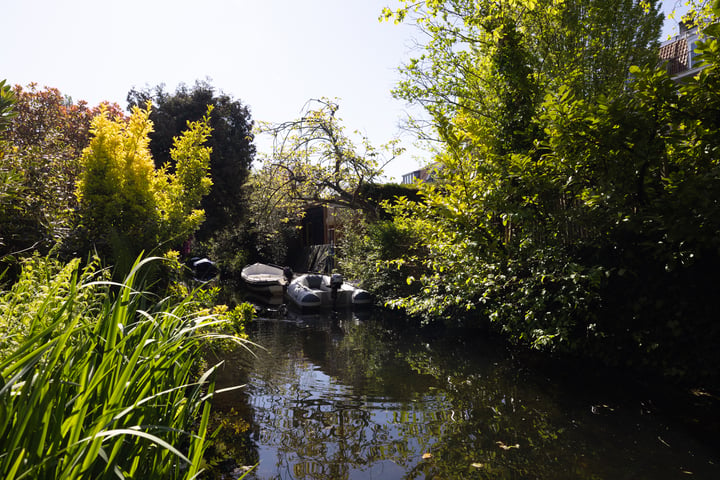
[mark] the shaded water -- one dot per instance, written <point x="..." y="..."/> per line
<point x="367" y="397"/>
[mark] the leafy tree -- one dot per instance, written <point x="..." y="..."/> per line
<point x="314" y="163"/>
<point x="699" y="13"/>
<point x="368" y="242"/>
<point x="493" y="227"/>
<point x="231" y="144"/>
<point x="47" y="117"/>
<point x="483" y="55"/>
<point x="364" y="250"/>
<point x="273" y="219"/>
<point x="640" y="174"/>
<point x="583" y="224"/>
<point x="319" y="163"/>
<point x="45" y="139"/>
<point x="482" y="79"/>
<point x="129" y="205"/>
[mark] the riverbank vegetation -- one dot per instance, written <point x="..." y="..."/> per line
<point x="574" y="206"/>
<point x="100" y="379"/>
<point x="101" y="353"/>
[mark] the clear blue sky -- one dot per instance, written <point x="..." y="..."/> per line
<point x="273" y="55"/>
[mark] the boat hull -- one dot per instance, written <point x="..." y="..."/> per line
<point x="264" y="279"/>
<point x="311" y="290"/>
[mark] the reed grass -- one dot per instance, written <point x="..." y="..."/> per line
<point x="99" y="380"/>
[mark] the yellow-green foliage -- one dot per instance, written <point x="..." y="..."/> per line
<point x="115" y="187"/>
<point x="122" y="195"/>
<point x="40" y="295"/>
<point x="240" y="316"/>
<point x="179" y="193"/>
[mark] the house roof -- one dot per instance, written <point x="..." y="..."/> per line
<point x="676" y="54"/>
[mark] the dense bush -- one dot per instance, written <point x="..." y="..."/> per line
<point x="44" y="138"/>
<point x="364" y="253"/>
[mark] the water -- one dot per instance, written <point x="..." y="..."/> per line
<point x="367" y="397"/>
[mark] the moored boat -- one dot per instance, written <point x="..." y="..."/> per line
<point x="315" y="290"/>
<point x="202" y="269"/>
<point x="265" y="278"/>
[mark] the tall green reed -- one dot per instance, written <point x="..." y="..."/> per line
<point x="99" y="380"/>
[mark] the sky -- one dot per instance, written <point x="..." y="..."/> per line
<point x="271" y="55"/>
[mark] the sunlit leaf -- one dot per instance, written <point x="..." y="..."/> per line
<point x="507" y="447"/>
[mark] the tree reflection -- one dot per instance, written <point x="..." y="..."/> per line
<point x="340" y="398"/>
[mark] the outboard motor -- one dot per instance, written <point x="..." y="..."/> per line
<point x="288" y="275"/>
<point x="336" y="281"/>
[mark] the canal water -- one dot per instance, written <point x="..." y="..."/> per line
<point x="366" y="395"/>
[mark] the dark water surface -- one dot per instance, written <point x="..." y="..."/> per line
<point x="364" y="396"/>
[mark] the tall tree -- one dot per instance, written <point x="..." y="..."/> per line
<point x="484" y="55"/>
<point x="231" y="143"/>
<point x="9" y="178"/>
<point x="495" y="223"/>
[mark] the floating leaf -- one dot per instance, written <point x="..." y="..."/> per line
<point x="425" y="456"/>
<point x="507" y="447"/>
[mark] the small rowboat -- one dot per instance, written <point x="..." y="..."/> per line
<point x="264" y="278"/>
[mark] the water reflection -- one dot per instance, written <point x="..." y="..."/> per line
<point x="347" y="396"/>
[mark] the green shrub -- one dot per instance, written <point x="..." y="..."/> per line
<point x="365" y="252"/>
